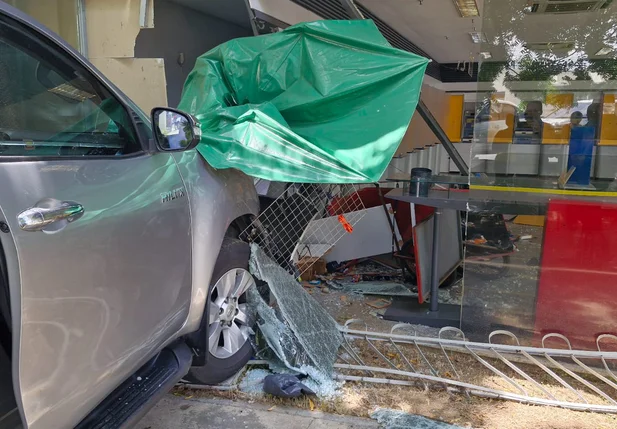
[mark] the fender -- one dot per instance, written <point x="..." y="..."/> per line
<point x="216" y="198"/>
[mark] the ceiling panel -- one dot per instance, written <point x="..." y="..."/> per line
<point x="433" y="25"/>
<point x="436" y="27"/>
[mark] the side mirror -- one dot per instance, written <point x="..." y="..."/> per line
<point x="174" y="130"/>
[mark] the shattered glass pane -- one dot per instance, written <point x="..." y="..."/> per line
<point x="393" y="419"/>
<point x="311" y="325"/>
<point x="253" y="381"/>
<point x="277" y="334"/>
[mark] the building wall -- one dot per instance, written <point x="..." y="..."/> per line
<point x="59" y="16"/>
<point x="112" y="27"/>
<point x="419" y="134"/>
<point x="180" y="30"/>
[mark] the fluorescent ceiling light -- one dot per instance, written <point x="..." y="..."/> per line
<point x="550" y="46"/>
<point x="604" y="51"/>
<point x="467" y="8"/>
<point x="69" y="91"/>
<point x="478" y="37"/>
<point x="486" y="55"/>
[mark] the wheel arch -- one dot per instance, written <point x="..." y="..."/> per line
<point x="198" y="340"/>
<point x="238" y="225"/>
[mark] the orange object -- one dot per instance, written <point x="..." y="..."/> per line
<point x="345" y="223"/>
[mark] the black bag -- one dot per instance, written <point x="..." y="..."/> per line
<point x="285" y="386"/>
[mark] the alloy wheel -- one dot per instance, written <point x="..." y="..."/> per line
<point x="229" y="324"/>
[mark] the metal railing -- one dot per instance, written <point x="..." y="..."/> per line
<point x="560" y="377"/>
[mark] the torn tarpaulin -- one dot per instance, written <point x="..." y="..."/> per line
<point x="309" y="335"/>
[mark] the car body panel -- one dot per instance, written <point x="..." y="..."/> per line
<point x="94" y="301"/>
<point x="100" y="296"/>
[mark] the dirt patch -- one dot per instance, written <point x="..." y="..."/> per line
<point x="360" y="399"/>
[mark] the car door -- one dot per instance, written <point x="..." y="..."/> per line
<point x="102" y="250"/>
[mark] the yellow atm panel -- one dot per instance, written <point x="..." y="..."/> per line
<point x="454" y="118"/>
<point x="608" y="131"/>
<point x="557" y="134"/>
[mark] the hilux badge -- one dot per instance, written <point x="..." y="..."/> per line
<point x="172" y="195"/>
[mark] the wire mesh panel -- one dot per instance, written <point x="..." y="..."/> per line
<point x="304" y="223"/>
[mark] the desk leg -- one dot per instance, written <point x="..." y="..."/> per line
<point x="435" y="262"/>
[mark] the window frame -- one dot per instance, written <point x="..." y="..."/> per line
<point x="64" y="52"/>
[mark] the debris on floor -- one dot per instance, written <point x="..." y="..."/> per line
<point x="399" y="368"/>
<point x="323" y="386"/>
<point x="379" y="303"/>
<point x="393" y="419"/>
<point x="253" y="381"/>
<point x="302" y="333"/>
<point x="365" y="269"/>
<point x="373" y="288"/>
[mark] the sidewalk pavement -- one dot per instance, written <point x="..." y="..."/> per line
<point x="210" y="413"/>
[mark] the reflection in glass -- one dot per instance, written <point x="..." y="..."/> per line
<point x="174" y="130"/>
<point x="544" y="152"/>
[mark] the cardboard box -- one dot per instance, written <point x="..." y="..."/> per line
<point x="311" y="267"/>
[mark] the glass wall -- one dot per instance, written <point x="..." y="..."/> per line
<point x="541" y="252"/>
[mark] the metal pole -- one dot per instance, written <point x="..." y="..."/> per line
<point x="442" y="137"/>
<point x="251" y="16"/>
<point x="352" y="9"/>
<point x="435" y="262"/>
<point x="81" y="28"/>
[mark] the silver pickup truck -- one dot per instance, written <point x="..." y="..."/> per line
<point x="120" y="267"/>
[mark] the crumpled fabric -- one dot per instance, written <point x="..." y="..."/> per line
<point x="320" y="102"/>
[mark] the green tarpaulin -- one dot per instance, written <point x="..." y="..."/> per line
<point x="320" y="102"/>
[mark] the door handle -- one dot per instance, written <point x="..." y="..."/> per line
<point x="39" y="218"/>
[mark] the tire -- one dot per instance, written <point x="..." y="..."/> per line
<point x="222" y="363"/>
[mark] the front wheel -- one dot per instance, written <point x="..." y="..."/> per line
<point x="229" y="323"/>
